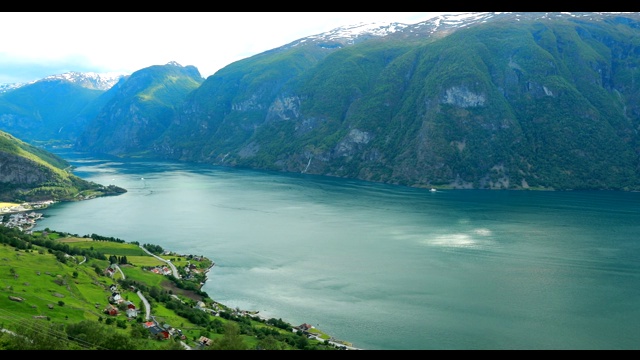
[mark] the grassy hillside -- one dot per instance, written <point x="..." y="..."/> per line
<point x="54" y="290"/>
<point x="33" y="174"/>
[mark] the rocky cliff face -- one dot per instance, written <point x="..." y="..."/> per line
<point x="140" y="110"/>
<point x="21" y="172"/>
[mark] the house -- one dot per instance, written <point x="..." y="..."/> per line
<point x="131" y="313"/>
<point x="148" y="324"/>
<point x="111" y="310"/>
<point x="130" y="305"/>
<point x="115" y="298"/>
<point x="205" y="341"/>
<point x="159" y="332"/>
<point x="305" y="327"/>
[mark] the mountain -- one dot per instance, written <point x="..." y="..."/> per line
<point x="89" y="80"/>
<point x="55" y="107"/>
<point x="29" y="173"/>
<point x="484" y="100"/>
<point x="474" y="100"/>
<point x="139" y="110"/>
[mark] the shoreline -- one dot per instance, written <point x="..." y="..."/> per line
<point x="256" y="314"/>
<point x="30" y="218"/>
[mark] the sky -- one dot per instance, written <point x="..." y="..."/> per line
<point x="34" y="45"/>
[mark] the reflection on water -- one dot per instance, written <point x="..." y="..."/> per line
<point x="387" y="267"/>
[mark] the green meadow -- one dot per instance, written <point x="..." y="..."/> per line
<point x="42" y="287"/>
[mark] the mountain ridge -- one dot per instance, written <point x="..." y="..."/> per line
<point x="473" y="100"/>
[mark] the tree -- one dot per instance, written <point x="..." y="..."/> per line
<point x="40" y="337"/>
<point x="171" y="345"/>
<point x="269" y="343"/>
<point x="139" y="332"/>
<point x="231" y="340"/>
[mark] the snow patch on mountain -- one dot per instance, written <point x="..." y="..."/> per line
<point x="8" y="87"/>
<point x="350" y="33"/>
<point x="89" y="80"/>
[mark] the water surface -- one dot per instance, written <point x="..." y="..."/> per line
<point x="386" y="267"/>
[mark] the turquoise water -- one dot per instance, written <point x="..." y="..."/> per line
<point x="386" y="267"/>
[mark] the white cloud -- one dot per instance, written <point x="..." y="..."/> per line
<point x="126" y="42"/>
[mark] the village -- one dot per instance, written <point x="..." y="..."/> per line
<point x="21" y="216"/>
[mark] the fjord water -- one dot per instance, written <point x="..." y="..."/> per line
<point x="386" y="267"/>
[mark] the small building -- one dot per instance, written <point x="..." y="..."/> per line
<point x="111" y="310"/>
<point x="159" y="333"/>
<point x="148" y="324"/>
<point x="131" y="313"/>
<point x="305" y="327"/>
<point x="205" y="341"/>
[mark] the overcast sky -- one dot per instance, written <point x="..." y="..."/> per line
<point x="35" y="45"/>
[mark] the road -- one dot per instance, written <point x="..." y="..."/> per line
<point x="147" y="316"/>
<point x="120" y="270"/>
<point x="173" y="267"/>
<point x="147" y="307"/>
<point x="334" y="343"/>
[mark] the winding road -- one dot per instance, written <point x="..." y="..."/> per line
<point x="147" y="307"/>
<point x="173" y="267"/>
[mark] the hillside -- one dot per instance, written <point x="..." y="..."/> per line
<point x="28" y="173"/>
<point x="56" y="107"/>
<point x="492" y="101"/>
<point x="139" y="110"/>
<point x="512" y="101"/>
<point x="65" y="292"/>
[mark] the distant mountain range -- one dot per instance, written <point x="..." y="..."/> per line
<point x="90" y="80"/>
<point x="478" y="100"/>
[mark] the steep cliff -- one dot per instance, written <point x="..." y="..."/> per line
<point x="529" y="100"/>
<point x="140" y="110"/>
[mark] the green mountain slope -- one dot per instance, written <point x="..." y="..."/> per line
<point x="58" y="294"/>
<point x="500" y="101"/>
<point x="516" y="102"/>
<point x="28" y="173"/>
<point x="42" y="110"/>
<point x="140" y="110"/>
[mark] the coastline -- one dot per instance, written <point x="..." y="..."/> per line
<point x="24" y="217"/>
<point x="256" y="314"/>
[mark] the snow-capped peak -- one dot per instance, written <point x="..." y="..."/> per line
<point x="12" y="86"/>
<point x="174" y="63"/>
<point x="351" y="32"/>
<point x="89" y="80"/>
